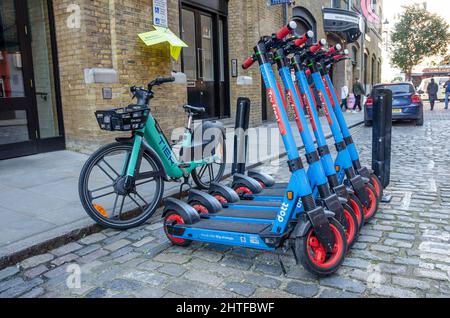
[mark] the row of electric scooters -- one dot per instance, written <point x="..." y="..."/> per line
<point x="319" y="213"/>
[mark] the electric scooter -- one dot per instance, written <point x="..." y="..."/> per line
<point x="316" y="237"/>
<point x="310" y="60"/>
<point x="351" y="222"/>
<point x="334" y="56"/>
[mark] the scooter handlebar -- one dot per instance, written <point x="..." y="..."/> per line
<point x="286" y="30"/>
<point x="248" y="62"/>
<point x="316" y="47"/>
<point x="304" y="38"/>
<point x="335" y="49"/>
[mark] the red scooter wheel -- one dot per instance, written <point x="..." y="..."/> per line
<point x="358" y="208"/>
<point x="376" y="183"/>
<point x="371" y="211"/>
<point x="173" y="218"/>
<point x="352" y="230"/>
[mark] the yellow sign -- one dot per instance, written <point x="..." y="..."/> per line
<point x="161" y="35"/>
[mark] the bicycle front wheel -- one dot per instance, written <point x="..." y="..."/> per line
<point x="101" y="188"/>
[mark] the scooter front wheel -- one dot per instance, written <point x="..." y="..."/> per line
<point x="371" y="211"/>
<point x="352" y="230"/>
<point x="376" y="183"/>
<point x="358" y="208"/>
<point x="313" y="256"/>
<point x="171" y="219"/>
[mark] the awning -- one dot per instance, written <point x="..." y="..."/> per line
<point x="346" y="24"/>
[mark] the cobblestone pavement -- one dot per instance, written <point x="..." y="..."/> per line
<point x="404" y="252"/>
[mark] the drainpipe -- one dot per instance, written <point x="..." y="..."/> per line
<point x="286" y="13"/>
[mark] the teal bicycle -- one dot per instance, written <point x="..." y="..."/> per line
<point x="122" y="184"/>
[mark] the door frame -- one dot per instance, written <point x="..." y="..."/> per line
<point x="222" y="108"/>
<point x="35" y="145"/>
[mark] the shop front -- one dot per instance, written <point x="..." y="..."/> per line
<point x="30" y="112"/>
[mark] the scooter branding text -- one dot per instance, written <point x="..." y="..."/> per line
<point x="308" y="108"/>
<point x="294" y="109"/>
<point x="276" y="110"/>
<point x="325" y="107"/>
<point x="283" y="212"/>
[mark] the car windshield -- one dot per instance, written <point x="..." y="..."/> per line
<point x="399" y="89"/>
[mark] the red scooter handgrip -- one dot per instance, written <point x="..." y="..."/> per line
<point x="334" y="50"/>
<point x="302" y="40"/>
<point x="338" y="57"/>
<point x="308" y="72"/>
<point x="315" y="48"/>
<point x="248" y="63"/>
<point x="285" y="31"/>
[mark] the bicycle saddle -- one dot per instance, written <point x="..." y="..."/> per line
<point x="194" y="110"/>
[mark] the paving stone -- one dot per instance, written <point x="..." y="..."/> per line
<point x="144" y="241"/>
<point x="410" y="283"/>
<point x="344" y="284"/>
<point x="36" y="260"/>
<point x="269" y="269"/>
<point x="93" y="256"/>
<point x="36" y="271"/>
<point x="139" y="235"/>
<point x="302" y="290"/>
<point x="149" y="266"/>
<point x="58" y="271"/>
<point x="8" y="272"/>
<point x="126" y="258"/>
<point x="241" y="288"/>
<point x="392" y="269"/>
<point x="264" y="293"/>
<point x="64" y="259"/>
<point x="356" y="262"/>
<point x="97" y="293"/>
<point x="209" y="256"/>
<point x="117" y="245"/>
<point x="121" y="252"/>
<point x="202" y="277"/>
<point x="263" y="281"/>
<point x="237" y="262"/>
<point x="172" y="258"/>
<point x="154" y="279"/>
<point x="5" y="285"/>
<point x="399" y="236"/>
<point x="299" y="273"/>
<point x="389" y="291"/>
<point x="192" y="289"/>
<point x="21" y="289"/>
<point x="368" y="239"/>
<point x="172" y="270"/>
<point x="155" y="226"/>
<point x="150" y="293"/>
<point x="66" y="249"/>
<point x="123" y="285"/>
<point x="88" y="249"/>
<point x="92" y="239"/>
<point x="385" y="249"/>
<point x="34" y="293"/>
<point x="433" y="274"/>
<point x="336" y="293"/>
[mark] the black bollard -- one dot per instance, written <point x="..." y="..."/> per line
<point x="241" y="138"/>
<point x="382" y="135"/>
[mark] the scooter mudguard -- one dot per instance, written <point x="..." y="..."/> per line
<point x="209" y="202"/>
<point x="365" y="172"/>
<point x="319" y="222"/>
<point x="341" y="192"/>
<point x="359" y="186"/>
<point x="228" y="193"/>
<point x="304" y="225"/>
<point x="268" y="180"/>
<point x="248" y="182"/>
<point x="188" y="213"/>
<point x="332" y="203"/>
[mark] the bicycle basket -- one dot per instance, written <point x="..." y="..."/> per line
<point x="133" y="117"/>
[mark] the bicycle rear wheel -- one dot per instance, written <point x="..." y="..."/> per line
<point x="101" y="188"/>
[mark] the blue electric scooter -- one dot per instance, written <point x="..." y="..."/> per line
<point x="316" y="236"/>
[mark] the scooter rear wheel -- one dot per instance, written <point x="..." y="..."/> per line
<point x="242" y="190"/>
<point x="352" y="230"/>
<point x="358" y="209"/>
<point x="371" y="211"/>
<point x="173" y="218"/>
<point x="376" y="183"/>
<point x="312" y="255"/>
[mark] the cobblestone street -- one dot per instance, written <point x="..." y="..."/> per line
<point x="404" y="252"/>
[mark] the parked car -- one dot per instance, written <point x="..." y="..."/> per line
<point x="422" y="89"/>
<point x="406" y="104"/>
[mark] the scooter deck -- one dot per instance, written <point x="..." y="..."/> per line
<point x="237" y="227"/>
<point x="248" y="214"/>
<point x="257" y="203"/>
<point x="271" y="193"/>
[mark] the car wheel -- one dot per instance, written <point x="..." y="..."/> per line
<point x="419" y="122"/>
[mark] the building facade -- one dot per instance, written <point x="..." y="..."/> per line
<point x="61" y="60"/>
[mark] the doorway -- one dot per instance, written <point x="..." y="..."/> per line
<point x="30" y="112"/>
<point x="205" y="61"/>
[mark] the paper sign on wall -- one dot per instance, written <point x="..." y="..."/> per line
<point x="160" y="15"/>
<point x="161" y="35"/>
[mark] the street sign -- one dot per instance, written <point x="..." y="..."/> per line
<point x="160" y="15"/>
<point x="276" y="2"/>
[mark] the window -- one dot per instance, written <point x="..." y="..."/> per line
<point x="336" y="4"/>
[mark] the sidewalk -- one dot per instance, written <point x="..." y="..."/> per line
<point x="39" y="204"/>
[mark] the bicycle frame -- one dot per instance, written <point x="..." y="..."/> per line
<point x="153" y="135"/>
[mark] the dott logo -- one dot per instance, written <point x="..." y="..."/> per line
<point x="283" y="212"/>
<point x="325" y="107"/>
<point x="294" y="109"/>
<point x="276" y="110"/>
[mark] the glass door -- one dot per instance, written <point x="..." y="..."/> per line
<point x="204" y="61"/>
<point x="18" y="117"/>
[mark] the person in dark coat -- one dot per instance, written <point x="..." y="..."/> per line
<point x="358" y="91"/>
<point x="432" y="91"/>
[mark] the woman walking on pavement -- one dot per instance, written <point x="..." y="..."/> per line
<point x="344" y="98"/>
<point x="432" y="91"/>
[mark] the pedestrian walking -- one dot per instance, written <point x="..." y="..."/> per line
<point x="344" y="98"/>
<point x="447" y="92"/>
<point x="432" y="91"/>
<point x="358" y="91"/>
